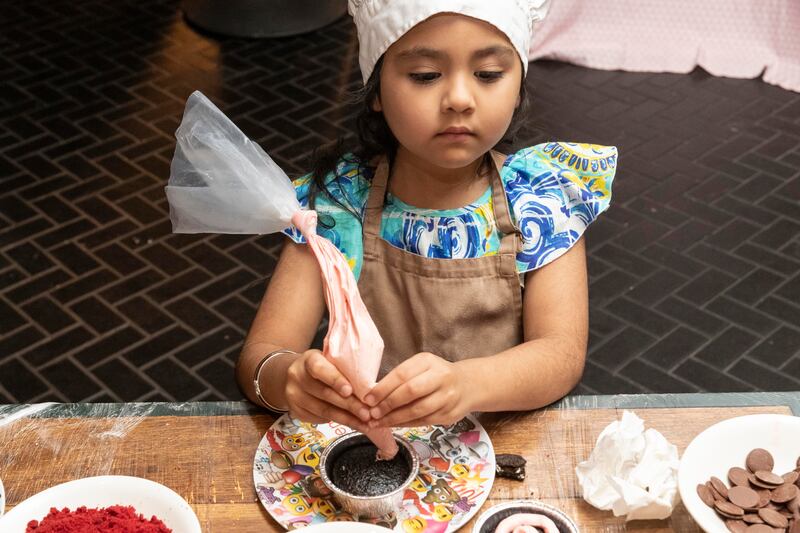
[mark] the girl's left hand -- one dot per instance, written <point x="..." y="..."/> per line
<point x="423" y="390"/>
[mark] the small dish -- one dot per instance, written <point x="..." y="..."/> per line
<point x="725" y="445"/>
<point x="488" y="521"/>
<point x="147" y="497"/>
<point x="362" y="505"/>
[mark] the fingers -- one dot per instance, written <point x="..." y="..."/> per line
<point x="328" y="395"/>
<point x="310" y="394"/>
<point x="323" y="370"/>
<point x="318" y="412"/>
<point x="409" y="414"/>
<point x="407" y="392"/>
<point x="402" y="373"/>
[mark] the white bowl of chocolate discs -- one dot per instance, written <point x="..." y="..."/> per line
<point x="743" y="475"/>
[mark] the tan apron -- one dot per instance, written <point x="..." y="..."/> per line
<point x="453" y="308"/>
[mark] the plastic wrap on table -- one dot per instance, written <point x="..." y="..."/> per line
<point x="211" y="466"/>
<point x="43" y="445"/>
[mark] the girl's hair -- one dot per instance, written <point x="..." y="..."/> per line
<point x="374" y="138"/>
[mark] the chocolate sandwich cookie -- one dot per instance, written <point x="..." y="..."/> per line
<point x="510" y="466"/>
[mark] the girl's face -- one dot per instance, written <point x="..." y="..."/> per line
<point x="450" y="72"/>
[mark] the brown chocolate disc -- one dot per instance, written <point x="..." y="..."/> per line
<point x="738" y="476"/>
<point x="705" y="495"/>
<point x="717" y="495"/>
<point x="773" y="518"/>
<point x="752" y="518"/>
<point x="755" y="482"/>
<point x="794" y="504"/>
<point x="769" y="478"/>
<point x="764" y="497"/>
<point x="790" y="477"/>
<point x="759" y="459"/>
<point x="720" y="486"/>
<point x="736" y="526"/>
<point x="759" y="528"/>
<point x="744" y="497"/>
<point x="784" y="493"/>
<point x="729" y="509"/>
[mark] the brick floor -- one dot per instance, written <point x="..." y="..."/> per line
<point x="695" y="271"/>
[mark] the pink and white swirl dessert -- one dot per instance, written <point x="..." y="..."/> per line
<point x="526" y="523"/>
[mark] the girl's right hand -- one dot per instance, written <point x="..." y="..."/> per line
<point x="318" y="393"/>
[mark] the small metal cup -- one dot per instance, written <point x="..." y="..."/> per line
<point x="366" y="506"/>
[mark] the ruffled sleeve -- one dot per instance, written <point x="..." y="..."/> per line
<point x="348" y="187"/>
<point x="555" y="191"/>
<point x="301" y="189"/>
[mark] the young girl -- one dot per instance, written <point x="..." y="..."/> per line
<point x="471" y="263"/>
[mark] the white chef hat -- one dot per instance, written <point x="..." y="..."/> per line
<point x="382" y="22"/>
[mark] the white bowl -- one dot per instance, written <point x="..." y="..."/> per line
<point x="725" y="445"/>
<point x="147" y="497"/>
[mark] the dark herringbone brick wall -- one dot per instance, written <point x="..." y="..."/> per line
<point x="694" y="270"/>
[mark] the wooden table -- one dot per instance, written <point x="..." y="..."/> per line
<point x="204" y="451"/>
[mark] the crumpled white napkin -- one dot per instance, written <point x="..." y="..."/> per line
<point x="631" y="471"/>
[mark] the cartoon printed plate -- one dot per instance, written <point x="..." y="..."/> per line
<point x="456" y="474"/>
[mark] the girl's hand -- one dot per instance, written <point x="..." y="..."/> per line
<point x="318" y="393"/>
<point x="424" y="389"/>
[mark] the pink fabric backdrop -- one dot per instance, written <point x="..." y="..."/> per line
<point x="734" y="38"/>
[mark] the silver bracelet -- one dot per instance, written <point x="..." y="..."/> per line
<point x="257" y="375"/>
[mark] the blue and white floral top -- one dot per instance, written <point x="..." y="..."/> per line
<point x="555" y="191"/>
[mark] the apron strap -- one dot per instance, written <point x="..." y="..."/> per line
<point x="510" y="240"/>
<point x="375" y="200"/>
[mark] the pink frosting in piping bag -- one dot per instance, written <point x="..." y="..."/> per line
<point x="353" y="343"/>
